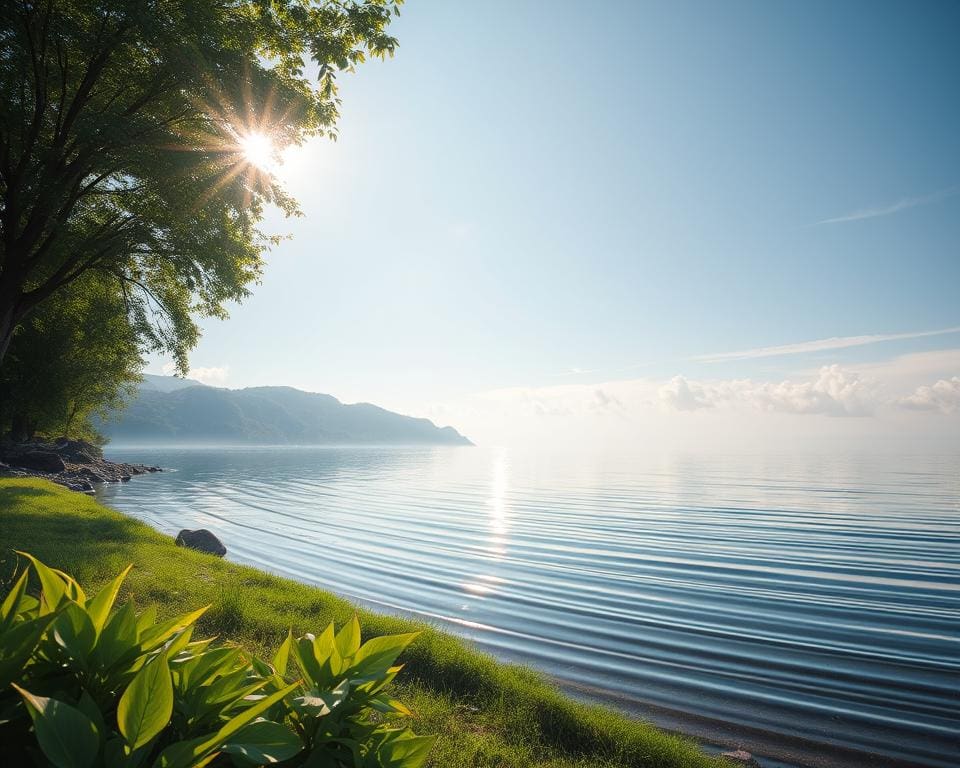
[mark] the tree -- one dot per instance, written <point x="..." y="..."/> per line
<point x="71" y="359"/>
<point x="122" y="128"/>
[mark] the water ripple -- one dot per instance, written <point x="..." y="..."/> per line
<point x="815" y="598"/>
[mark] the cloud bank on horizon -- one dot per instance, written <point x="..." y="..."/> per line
<point x="913" y="396"/>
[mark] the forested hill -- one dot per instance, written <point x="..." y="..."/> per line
<point x="263" y="415"/>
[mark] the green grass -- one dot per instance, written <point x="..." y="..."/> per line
<point x="488" y="714"/>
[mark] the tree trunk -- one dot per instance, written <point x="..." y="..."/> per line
<point x="7" y="325"/>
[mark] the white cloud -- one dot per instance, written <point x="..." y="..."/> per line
<point x="943" y="396"/>
<point x="213" y="376"/>
<point x="835" y="392"/>
<point x="682" y="412"/>
<point x="888" y="210"/>
<point x="819" y="345"/>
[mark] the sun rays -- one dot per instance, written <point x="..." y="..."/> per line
<point x="258" y="150"/>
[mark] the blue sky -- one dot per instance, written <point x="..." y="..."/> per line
<point x="528" y="190"/>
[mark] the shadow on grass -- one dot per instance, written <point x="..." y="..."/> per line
<point x="64" y="529"/>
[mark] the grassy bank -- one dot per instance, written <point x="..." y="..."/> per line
<point x="487" y="713"/>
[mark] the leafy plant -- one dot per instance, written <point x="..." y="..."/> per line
<point x="85" y="684"/>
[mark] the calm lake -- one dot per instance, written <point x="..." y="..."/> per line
<point x="793" y="600"/>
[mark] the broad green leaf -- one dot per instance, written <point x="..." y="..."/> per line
<point x="251" y="714"/>
<point x="389" y="706"/>
<point x="146" y="619"/>
<point x="68" y="738"/>
<point x="185" y="754"/>
<point x="99" y="607"/>
<point x="153" y="637"/>
<point x="179" y="641"/>
<point x="19" y="643"/>
<point x="201" y="669"/>
<point x="325" y="643"/>
<point x="147" y="704"/>
<point x="325" y="651"/>
<point x="261" y="667"/>
<point x="378" y="683"/>
<point x="233" y="688"/>
<point x="322" y="703"/>
<point x="10" y="608"/>
<point x="74" y="633"/>
<point x="282" y="657"/>
<point x="200" y="751"/>
<point x="118" y="639"/>
<point x="406" y="751"/>
<point x="53" y="588"/>
<point x="264" y="741"/>
<point x="305" y="654"/>
<point x="89" y="707"/>
<point x="376" y="656"/>
<point x="74" y="590"/>
<point x="348" y="638"/>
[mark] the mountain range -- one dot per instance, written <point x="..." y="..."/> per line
<point x="169" y="409"/>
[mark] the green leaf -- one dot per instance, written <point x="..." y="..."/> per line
<point x="264" y="741"/>
<point x="376" y="656"/>
<point x="200" y="670"/>
<point x="18" y="645"/>
<point x="321" y="703"/>
<point x="73" y="589"/>
<point x="99" y="607"/>
<point x="146" y="619"/>
<point x="348" y="638"/>
<point x="200" y="751"/>
<point x="118" y="639"/>
<point x="89" y="707"/>
<point x="282" y="657"/>
<point x="53" y="587"/>
<point x="406" y="751"/>
<point x="305" y="654"/>
<point x="10" y="608"/>
<point x="325" y="644"/>
<point x="147" y="704"/>
<point x="74" y="633"/>
<point x="185" y="754"/>
<point x="153" y="637"/>
<point x="389" y="706"/>
<point x="68" y="738"/>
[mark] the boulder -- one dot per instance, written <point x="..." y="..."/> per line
<point x="81" y="485"/>
<point x="42" y="461"/>
<point x="202" y="540"/>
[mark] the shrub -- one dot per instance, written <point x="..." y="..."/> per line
<point x="86" y="685"/>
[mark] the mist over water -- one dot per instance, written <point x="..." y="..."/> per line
<point x="814" y="597"/>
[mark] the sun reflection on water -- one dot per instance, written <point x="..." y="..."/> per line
<point x="499" y="511"/>
<point x="498" y="521"/>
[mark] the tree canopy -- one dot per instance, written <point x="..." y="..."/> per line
<point x="122" y="127"/>
<point x="71" y="359"/>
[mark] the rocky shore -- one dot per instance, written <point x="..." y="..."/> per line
<point x="76" y="464"/>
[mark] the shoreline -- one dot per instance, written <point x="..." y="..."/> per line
<point x="75" y="464"/>
<point x="770" y="749"/>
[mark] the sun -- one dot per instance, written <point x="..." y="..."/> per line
<point x="258" y="150"/>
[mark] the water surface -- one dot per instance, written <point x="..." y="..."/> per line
<point x="812" y="598"/>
